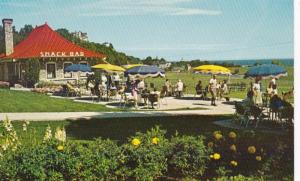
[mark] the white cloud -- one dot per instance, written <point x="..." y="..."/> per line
<point x="142" y="7"/>
<point x="189" y="12"/>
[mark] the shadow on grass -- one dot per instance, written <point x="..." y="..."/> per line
<point x="122" y="128"/>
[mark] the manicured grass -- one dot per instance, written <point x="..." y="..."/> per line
<point x="17" y="101"/>
<point x="190" y="79"/>
<point x="120" y="129"/>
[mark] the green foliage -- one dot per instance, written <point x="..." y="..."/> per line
<point x="276" y="62"/>
<point x="188" y="156"/>
<point x="32" y="72"/>
<point x="153" y="61"/>
<point x="147" y="160"/>
<point x="239" y="178"/>
<point x="145" y="156"/>
<point x="113" y="56"/>
<point x="76" y="161"/>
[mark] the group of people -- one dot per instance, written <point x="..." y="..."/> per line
<point x="257" y="89"/>
<point x="217" y="89"/>
<point x="176" y="89"/>
<point x="255" y="95"/>
<point x="103" y="83"/>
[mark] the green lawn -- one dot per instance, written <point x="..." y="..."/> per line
<point x="190" y="79"/>
<point x="17" y="101"/>
<point x="120" y="129"/>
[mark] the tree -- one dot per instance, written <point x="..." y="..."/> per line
<point x="276" y="62"/>
<point x="32" y="72"/>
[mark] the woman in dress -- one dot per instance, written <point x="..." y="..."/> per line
<point x="257" y="93"/>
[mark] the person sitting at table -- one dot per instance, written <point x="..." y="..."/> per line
<point x="179" y="88"/>
<point x="248" y="102"/>
<point x="145" y="94"/>
<point x="199" y="90"/>
<point x="141" y="85"/>
<point x="115" y="78"/>
<point x="153" y="97"/>
<point x="219" y="90"/>
<point x="134" y="93"/>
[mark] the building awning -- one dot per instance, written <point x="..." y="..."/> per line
<point x="43" y="42"/>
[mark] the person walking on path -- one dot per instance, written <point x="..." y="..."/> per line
<point x="213" y="89"/>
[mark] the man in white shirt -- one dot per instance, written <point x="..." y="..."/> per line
<point x="213" y="89"/>
<point x="179" y="87"/>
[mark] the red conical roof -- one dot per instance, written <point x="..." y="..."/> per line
<point x="45" y="42"/>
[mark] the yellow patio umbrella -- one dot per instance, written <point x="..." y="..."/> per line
<point x="132" y="65"/>
<point x="109" y="67"/>
<point x="212" y="69"/>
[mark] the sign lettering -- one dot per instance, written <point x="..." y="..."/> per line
<point x="62" y="54"/>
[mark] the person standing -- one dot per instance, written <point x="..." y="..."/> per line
<point x="116" y="79"/>
<point x="213" y="89"/>
<point x="168" y="86"/>
<point x="257" y="92"/>
<point x="179" y="87"/>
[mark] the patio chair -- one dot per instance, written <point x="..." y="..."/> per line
<point x="162" y="96"/>
<point x="154" y="98"/>
<point x="242" y="113"/>
<point x="286" y="114"/>
<point x="128" y="99"/>
<point x="257" y="113"/>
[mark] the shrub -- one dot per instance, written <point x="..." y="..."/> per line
<point x="32" y="72"/>
<point x="144" y="156"/>
<point x="239" y="178"/>
<point x="73" y="161"/>
<point x="188" y="156"/>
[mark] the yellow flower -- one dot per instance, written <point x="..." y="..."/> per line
<point x="258" y="158"/>
<point x="60" y="148"/>
<point x="210" y="144"/>
<point x="155" y="140"/>
<point x="251" y="149"/>
<point x="136" y="142"/>
<point x="211" y="156"/>
<point x="233" y="148"/>
<point x="218" y="136"/>
<point x="232" y="135"/>
<point x="233" y="163"/>
<point x="217" y="132"/>
<point x="216" y="156"/>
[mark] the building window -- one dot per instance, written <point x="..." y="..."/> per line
<point x="67" y="74"/>
<point x="51" y="70"/>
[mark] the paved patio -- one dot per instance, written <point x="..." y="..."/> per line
<point x="169" y="107"/>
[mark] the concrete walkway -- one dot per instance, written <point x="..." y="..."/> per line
<point x="58" y="116"/>
<point x="165" y="109"/>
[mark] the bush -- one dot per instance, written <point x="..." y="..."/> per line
<point x="74" y="161"/>
<point x="239" y="178"/>
<point x="188" y="156"/>
<point x="144" y="157"/>
<point x="32" y="73"/>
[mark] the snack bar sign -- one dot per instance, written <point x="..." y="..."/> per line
<point x="62" y="54"/>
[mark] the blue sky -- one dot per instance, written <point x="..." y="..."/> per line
<point x="173" y="29"/>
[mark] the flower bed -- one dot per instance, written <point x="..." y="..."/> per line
<point x="145" y="156"/>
